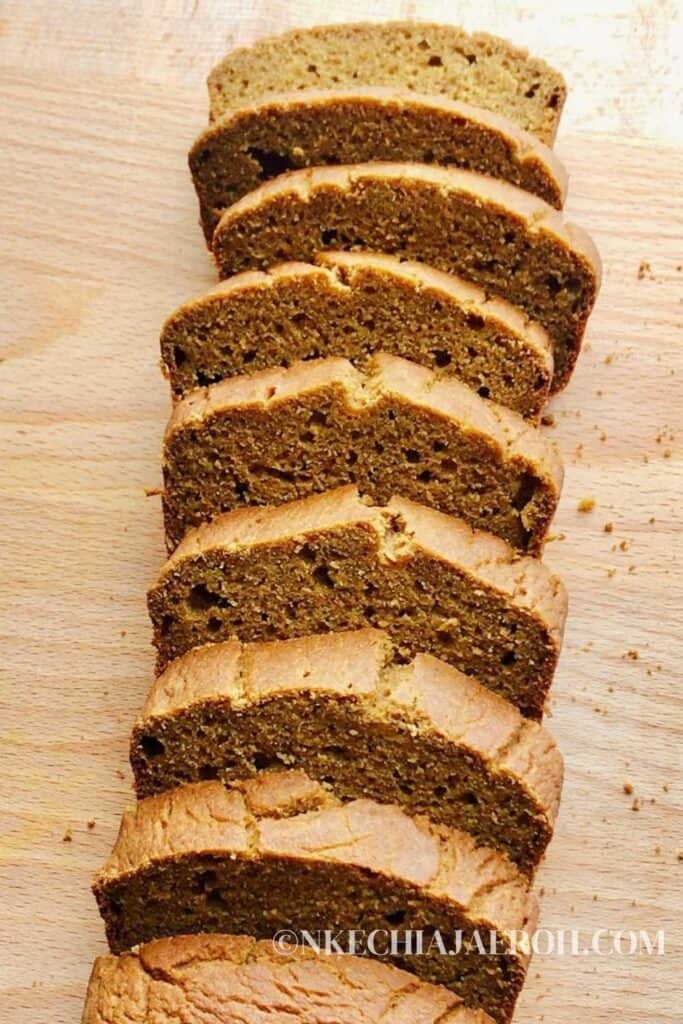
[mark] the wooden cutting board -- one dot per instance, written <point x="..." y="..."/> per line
<point x="99" y="243"/>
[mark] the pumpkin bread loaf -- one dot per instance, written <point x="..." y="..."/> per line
<point x="397" y="429"/>
<point x="422" y="735"/>
<point x="332" y="562"/>
<point x="280" y="852"/>
<point x="499" y="237"/>
<point x="304" y="129"/>
<point x="355" y="304"/>
<point x="438" y="60"/>
<point x="230" y="978"/>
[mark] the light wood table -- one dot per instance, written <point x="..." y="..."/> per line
<point x="99" y="242"/>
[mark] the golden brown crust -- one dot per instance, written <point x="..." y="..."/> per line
<point x="416" y="56"/>
<point x="299" y="213"/>
<point x="235" y="977"/>
<point x="309" y="566"/>
<point x="426" y="699"/>
<point x="218" y="438"/>
<point x="259" y="141"/>
<point x="286" y="815"/>
<point x="525" y="581"/>
<point x="418" y="312"/>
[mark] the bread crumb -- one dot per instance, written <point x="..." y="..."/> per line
<point x="68" y="836"/>
<point x="680" y="855"/>
<point x="548" y="419"/>
<point x="608" y="527"/>
<point x="609" y="359"/>
<point x="623" y="546"/>
<point x="153" y="492"/>
<point x="611" y="572"/>
<point x="628" y="788"/>
<point x="90" y="824"/>
<point x="635" y="806"/>
<point x="586" y="505"/>
<point x="631" y="655"/>
<point x="645" y="271"/>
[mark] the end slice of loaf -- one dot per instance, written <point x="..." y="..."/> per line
<point x="281" y="434"/>
<point x="332" y="562"/>
<point x="421" y="57"/>
<point x="502" y="238"/>
<point x="280" y="852"/>
<point x="306" y="129"/>
<point x="193" y="978"/>
<point x="354" y="305"/>
<point x="421" y="735"/>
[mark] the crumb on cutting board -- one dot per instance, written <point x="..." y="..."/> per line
<point x="586" y="504"/>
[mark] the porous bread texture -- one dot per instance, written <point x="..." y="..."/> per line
<point x="354" y="305"/>
<point x="284" y="434"/>
<point x="498" y="236"/>
<point x="280" y="852"/>
<point x="304" y="129"/>
<point x="238" y="978"/>
<point x="422" y="57"/>
<point x="332" y="562"/>
<point x="422" y="735"/>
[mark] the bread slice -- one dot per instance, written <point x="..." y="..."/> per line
<point x="285" y="434"/>
<point x="279" y="852"/>
<point x="331" y="563"/>
<point x="230" y="978"/>
<point x="421" y="735"/>
<point x="441" y="60"/>
<point x="489" y="232"/>
<point x="304" y="129"/>
<point x="355" y="304"/>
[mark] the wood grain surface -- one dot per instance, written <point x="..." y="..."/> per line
<point x="99" y="242"/>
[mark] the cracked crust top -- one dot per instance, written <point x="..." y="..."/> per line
<point x="273" y="403"/>
<point x="403" y="528"/>
<point x="179" y="980"/>
<point x="292" y="215"/>
<point x="208" y="337"/>
<point x="427" y="696"/>
<point x="287" y="815"/>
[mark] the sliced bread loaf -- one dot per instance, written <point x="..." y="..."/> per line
<point x="489" y="232"/>
<point x="355" y="304"/>
<point x="332" y="562"/>
<point x="305" y="129"/>
<point x="279" y="852"/>
<point x="397" y="429"/>
<point x="421" y="57"/>
<point x="195" y="979"/>
<point x="421" y="735"/>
